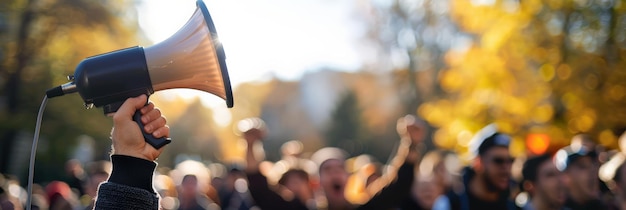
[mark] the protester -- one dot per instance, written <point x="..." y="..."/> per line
<point x="236" y="191"/>
<point x="7" y="200"/>
<point x="545" y="184"/>
<point x="580" y="177"/>
<point x="191" y="197"/>
<point x="97" y="172"/>
<point x="130" y="184"/>
<point x="598" y="156"/>
<point x="364" y="170"/>
<point x="60" y="196"/>
<point x="436" y="175"/>
<point x="424" y="193"/>
<point x="567" y="180"/>
<point x="166" y="189"/>
<point x="385" y="190"/>
<point x="75" y="176"/>
<point x="285" y="196"/>
<point x="298" y="182"/>
<point x="486" y="182"/>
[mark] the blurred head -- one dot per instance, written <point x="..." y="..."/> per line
<point x="544" y="181"/>
<point x="494" y="162"/>
<point x="297" y="181"/>
<point x="59" y="195"/>
<point x="189" y="186"/>
<point x="426" y="190"/>
<point x="332" y="174"/>
<point x="442" y="165"/>
<point x="97" y="172"/>
<point x="232" y="177"/>
<point x="580" y="172"/>
<point x="333" y="178"/>
<point x="74" y="168"/>
<point x="594" y="151"/>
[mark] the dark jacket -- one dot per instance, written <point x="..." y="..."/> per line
<point x="267" y="198"/>
<point x="129" y="186"/>
<point x="465" y="200"/>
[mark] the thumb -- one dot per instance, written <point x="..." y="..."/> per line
<point x="129" y="107"/>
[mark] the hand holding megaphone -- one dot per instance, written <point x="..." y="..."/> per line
<point x="191" y="58"/>
<point x="129" y="139"/>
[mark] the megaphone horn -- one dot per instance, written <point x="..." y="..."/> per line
<point x="191" y="58"/>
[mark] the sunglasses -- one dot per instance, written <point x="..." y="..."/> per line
<point x="502" y="160"/>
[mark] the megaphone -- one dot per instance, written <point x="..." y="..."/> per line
<point x="191" y="58"/>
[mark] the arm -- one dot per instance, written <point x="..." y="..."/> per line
<point x="267" y="198"/>
<point x="385" y="190"/>
<point x="130" y="184"/>
<point x="260" y="191"/>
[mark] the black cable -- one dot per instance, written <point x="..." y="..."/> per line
<point x="33" y="152"/>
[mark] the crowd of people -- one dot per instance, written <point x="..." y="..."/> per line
<point x="581" y="175"/>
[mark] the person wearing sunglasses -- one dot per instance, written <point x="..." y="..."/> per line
<point x="486" y="182"/>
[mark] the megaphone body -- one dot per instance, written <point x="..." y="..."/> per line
<point x="191" y="58"/>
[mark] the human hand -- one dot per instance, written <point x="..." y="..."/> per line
<point x="412" y="132"/>
<point x="252" y="129"/>
<point x="128" y="138"/>
<point x="410" y="127"/>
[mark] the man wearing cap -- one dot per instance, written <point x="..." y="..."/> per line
<point x="544" y="182"/>
<point x="486" y="182"/>
<point x="580" y="178"/>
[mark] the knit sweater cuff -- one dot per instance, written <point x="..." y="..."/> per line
<point x="132" y="171"/>
<point x="117" y="196"/>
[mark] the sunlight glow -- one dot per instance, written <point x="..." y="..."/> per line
<point x="264" y="39"/>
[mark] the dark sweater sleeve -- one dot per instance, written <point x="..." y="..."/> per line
<point x="129" y="186"/>
<point x="391" y="196"/>
<point x="267" y="198"/>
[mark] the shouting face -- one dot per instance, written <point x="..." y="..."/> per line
<point x="333" y="177"/>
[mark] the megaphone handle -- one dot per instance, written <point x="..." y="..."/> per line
<point x="157" y="143"/>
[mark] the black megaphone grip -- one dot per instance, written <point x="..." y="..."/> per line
<point x="157" y="143"/>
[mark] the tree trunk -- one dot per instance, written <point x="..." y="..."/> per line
<point x="13" y="84"/>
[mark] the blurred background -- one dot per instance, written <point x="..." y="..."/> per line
<point x="326" y="73"/>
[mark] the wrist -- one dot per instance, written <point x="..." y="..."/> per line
<point x="129" y="150"/>
<point x="133" y="154"/>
